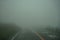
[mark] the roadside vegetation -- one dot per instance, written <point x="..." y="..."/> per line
<point x="8" y="30"/>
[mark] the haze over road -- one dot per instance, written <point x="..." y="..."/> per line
<point x="27" y="35"/>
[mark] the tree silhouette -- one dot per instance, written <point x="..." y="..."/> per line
<point x="8" y="30"/>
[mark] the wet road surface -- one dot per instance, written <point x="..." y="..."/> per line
<point x="27" y="36"/>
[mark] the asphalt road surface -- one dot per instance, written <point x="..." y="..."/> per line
<point x="28" y="35"/>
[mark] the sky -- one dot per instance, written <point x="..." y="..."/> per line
<point x="28" y="13"/>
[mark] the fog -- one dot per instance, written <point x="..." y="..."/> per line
<point x="29" y="13"/>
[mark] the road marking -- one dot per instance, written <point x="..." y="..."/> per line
<point x="39" y="36"/>
<point x="34" y="32"/>
<point x="14" y="36"/>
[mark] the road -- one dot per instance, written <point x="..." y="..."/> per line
<point x="28" y="35"/>
<point x="32" y="35"/>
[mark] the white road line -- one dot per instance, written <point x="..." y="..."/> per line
<point x="15" y="36"/>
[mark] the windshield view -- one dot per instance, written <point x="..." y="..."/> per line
<point x="29" y="20"/>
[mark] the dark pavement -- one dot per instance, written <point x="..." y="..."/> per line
<point x="28" y="35"/>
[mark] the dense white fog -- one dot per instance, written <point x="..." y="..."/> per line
<point x="29" y="13"/>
